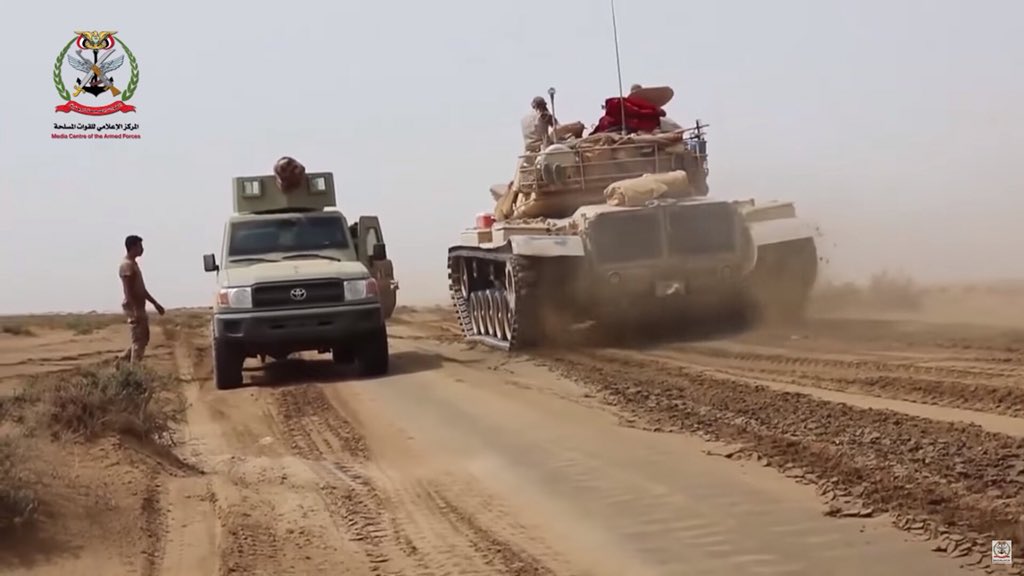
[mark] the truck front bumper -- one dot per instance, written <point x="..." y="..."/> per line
<point x="308" y="328"/>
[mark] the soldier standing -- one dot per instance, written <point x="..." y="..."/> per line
<point x="536" y="126"/>
<point x="135" y="297"/>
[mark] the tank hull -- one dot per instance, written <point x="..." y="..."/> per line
<point x="527" y="290"/>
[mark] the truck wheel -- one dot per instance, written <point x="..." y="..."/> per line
<point x="227" y="366"/>
<point x="342" y="354"/>
<point x="372" y="354"/>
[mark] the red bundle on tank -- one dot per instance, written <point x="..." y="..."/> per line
<point x="641" y="116"/>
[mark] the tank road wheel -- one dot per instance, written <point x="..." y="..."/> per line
<point x="494" y="298"/>
<point x="474" y="313"/>
<point x="504" y="323"/>
<point x="464" y="278"/>
<point x="510" y="290"/>
<point x="487" y="313"/>
<point x="523" y="315"/>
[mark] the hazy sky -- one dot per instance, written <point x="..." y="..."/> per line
<point x="896" y="124"/>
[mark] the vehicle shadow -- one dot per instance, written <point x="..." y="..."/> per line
<point x="295" y="371"/>
<point x="25" y="548"/>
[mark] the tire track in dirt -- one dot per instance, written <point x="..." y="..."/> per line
<point x="410" y="525"/>
<point x="839" y="331"/>
<point x="496" y="552"/>
<point x="793" y="359"/>
<point x="248" y="517"/>
<point x="154" y="527"/>
<point x="998" y="391"/>
<point x="189" y="504"/>
<point x="936" y="473"/>
<point x="321" y="436"/>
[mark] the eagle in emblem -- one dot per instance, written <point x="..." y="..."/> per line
<point x="97" y="79"/>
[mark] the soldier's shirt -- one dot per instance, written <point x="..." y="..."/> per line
<point x="535" y="132"/>
<point x="131" y="270"/>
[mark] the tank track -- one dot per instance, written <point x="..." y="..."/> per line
<point x="486" y="312"/>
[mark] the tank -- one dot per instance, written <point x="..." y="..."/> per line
<point x="618" y="228"/>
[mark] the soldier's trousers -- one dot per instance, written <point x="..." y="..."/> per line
<point x="139" y="328"/>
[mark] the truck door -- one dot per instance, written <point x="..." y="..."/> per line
<point x="370" y="235"/>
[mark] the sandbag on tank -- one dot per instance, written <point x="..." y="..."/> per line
<point x="638" y="191"/>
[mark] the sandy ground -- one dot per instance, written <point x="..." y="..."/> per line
<point x="846" y="446"/>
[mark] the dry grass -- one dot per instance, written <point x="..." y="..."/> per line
<point x="884" y="292"/>
<point x="88" y="403"/>
<point x="78" y="324"/>
<point x="18" y="502"/>
<point x="83" y="324"/>
<point x="17" y="330"/>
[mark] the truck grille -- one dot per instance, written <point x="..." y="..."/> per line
<point x="701" y="229"/>
<point x="280" y="295"/>
<point x="623" y="237"/>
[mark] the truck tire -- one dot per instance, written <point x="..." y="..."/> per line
<point x="342" y="354"/>
<point x="227" y="366"/>
<point x="372" y="357"/>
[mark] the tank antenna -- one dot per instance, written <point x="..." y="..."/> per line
<point x="618" y="69"/>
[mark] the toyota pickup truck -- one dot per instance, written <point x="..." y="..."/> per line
<point x="294" y="275"/>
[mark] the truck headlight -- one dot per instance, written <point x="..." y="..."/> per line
<point x="360" y="289"/>
<point x="235" y="297"/>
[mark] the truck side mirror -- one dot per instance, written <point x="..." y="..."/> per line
<point x="380" y="252"/>
<point x="210" y="263"/>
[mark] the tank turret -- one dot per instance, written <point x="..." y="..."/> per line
<point x="576" y="170"/>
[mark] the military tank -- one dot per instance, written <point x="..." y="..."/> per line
<point x="617" y="228"/>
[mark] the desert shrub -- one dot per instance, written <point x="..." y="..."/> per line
<point x="17" y="330"/>
<point x="85" y="325"/>
<point x="92" y="402"/>
<point x="17" y="499"/>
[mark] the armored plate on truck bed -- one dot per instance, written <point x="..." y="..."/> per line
<point x="255" y="194"/>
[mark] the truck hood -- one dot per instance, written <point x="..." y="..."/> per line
<point x="292" y="270"/>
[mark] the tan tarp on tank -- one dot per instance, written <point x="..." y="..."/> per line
<point x="584" y="168"/>
<point x="640" y="190"/>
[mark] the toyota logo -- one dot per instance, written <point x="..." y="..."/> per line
<point x="298" y="293"/>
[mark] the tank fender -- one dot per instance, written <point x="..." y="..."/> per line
<point x="547" y="246"/>
<point x="781" y="230"/>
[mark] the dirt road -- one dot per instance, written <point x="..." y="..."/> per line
<point x="465" y="461"/>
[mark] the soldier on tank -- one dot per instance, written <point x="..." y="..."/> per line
<point x="537" y="126"/>
<point x="666" y="124"/>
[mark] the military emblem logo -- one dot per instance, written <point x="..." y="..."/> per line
<point x="1002" y="552"/>
<point x="103" y="80"/>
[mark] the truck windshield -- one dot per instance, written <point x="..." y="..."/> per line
<point x="305" y="233"/>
